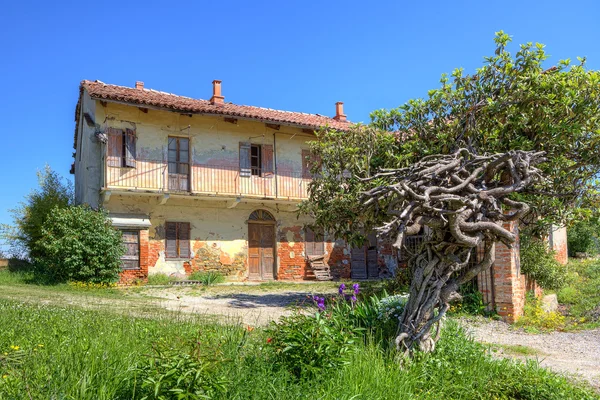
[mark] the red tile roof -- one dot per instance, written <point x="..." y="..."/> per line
<point x="148" y="97"/>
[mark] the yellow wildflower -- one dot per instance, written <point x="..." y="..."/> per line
<point x="15" y="347"/>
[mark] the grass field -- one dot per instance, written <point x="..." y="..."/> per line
<point x="50" y="351"/>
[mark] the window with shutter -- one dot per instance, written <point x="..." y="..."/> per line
<point x="114" y="154"/>
<point x="267" y="160"/>
<point x="308" y="161"/>
<point x="129" y="148"/>
<point x="131" y="258"/>
<point x="245" y="166"/>
<point x="177" y="240"/>
<point x="256" y="159"/>
<point x="314" y="242"/>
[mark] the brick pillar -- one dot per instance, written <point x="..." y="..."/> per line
<point x="509" y="282"/>
<point x="144" y="253"/>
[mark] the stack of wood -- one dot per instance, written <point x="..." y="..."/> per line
<point x="319" y="267"/>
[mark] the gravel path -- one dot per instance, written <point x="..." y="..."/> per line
<point x="571" y="353"/>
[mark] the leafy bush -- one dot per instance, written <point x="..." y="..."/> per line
<point x="30" y="216"/>
<point x="535" y="317"/>
<point x="207" y="278"/>
<point x="173" y="374"/>
<point x="584" y="237"/>
<point x="568" y="295"/>
<point x="79" y="244"/>
<point x="538" y="263"/>
<point x="391" y="307"/>
<point x="306" y="345"/>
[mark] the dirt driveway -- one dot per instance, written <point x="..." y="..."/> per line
<point x="571" y="353"/>
<point x="249" y="307"/>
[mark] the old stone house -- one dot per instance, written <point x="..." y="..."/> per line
<point x="207" y="185"/>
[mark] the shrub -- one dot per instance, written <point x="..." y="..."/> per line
<point x="30" y="216"/>
<point x="582" y="237"/>
<point x="306" y="345"/>
<point x="534" y="316"/>
<point x="173" y="374"/>
<point x="538" y="263"/>
<point x="568" y="295"/>
<point x="79" y="244"/>
<point x="207" y="278"/>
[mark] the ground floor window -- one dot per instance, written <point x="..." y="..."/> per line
<point x="314" y="242"/>
<point x="178" y="240"/>
<point x="131" y="258"/>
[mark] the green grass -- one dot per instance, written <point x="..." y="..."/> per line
<point x="581" y="296"/>
<point x="207" y="278"/>
<point x="518" y="349"/>
<point x="90" y="354"/>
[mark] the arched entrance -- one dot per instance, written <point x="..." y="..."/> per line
<point x="261" y="245"/>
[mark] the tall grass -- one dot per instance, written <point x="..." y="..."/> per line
<point x="52" y="352"/>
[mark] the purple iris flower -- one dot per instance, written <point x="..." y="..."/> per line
<point x="353" y="299"/>
<point x="356" y="288"/>
<point x="342" y="288"/>
<point x="320" y="302"/>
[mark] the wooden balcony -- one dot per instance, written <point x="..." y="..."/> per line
<point x="203" y="179"/>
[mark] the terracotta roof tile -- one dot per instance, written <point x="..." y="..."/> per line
<point x="148" y="97"/>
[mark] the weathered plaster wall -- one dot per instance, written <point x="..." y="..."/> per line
<point x="558" y="243"/>
<point x="219" y="236"/>
<point x="88" y="158"/>
<point x="213" y="141"/>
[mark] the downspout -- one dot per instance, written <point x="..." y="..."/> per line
<point x="275" y="164"/>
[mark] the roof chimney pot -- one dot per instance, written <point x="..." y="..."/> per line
<point x="139" y="85"/>
<point x="339" y="111"/>
<point x="216" y="97"/>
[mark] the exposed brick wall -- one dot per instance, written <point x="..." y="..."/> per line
<point x="509" y="282"/>
<point x="290" y="254"/>
<point x="338" y="258"/>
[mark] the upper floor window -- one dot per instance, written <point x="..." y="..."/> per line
<point x="256" y="159"/>
<point x="121" y="148"/>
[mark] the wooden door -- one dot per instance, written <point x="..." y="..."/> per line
<point x="179" y="164"/>
<point x="261" y="245"/>
<point x="358" y="263"/>
<point x="363" y="261"/>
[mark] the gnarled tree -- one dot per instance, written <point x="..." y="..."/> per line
<point x="381" y="176"/>
<point x="462" y="199"/>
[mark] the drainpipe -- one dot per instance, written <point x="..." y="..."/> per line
<point x="275" y="165"/>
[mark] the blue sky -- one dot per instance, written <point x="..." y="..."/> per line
<point x="297" y="56"/>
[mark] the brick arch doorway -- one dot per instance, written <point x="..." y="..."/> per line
<point x="261" y="246"/>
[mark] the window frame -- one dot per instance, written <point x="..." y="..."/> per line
<point x="258" y="158"/>
<point x="178" y="239"/>
<point x="125" y="257"/>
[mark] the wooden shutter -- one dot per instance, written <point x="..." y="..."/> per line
<point x="307" y="163"/>
<point x="131" y="258"/>
<point x="267" y="160"/>
<point x="183" y="231"/>
<point x="171" y="240"/>
<point x="314" y="243"/>
<point x="245" y="167"/>
<point x="114" y="154"/>
<point x="129" y="148"/>
<point x="309" y="242"/>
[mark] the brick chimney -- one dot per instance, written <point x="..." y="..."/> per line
<point x="216" y="97"/>
<point x="139" y="85"/>
<point x="339" y="111"/>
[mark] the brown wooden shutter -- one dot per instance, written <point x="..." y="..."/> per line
<point x="129" y="148"/>
<point x="267" y="160"/>
<point x="183" y="231"/>
<point x="245" y="166"/>
<point x="114" y="154"/>
<point x="319" y="244"/>
<point x="171" y="240"/>
<point x="306" y="164"/>
<point x="309" y="242"/>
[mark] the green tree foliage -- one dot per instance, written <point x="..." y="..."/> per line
<point x="79" y="244"/>
<point x="511" y="102"/>
<point x="539" y="264"/>
<point x="30" y="215"/>
<point x="584" y="237"/>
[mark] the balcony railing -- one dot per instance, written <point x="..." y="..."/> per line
<point x="154" y="175"/>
